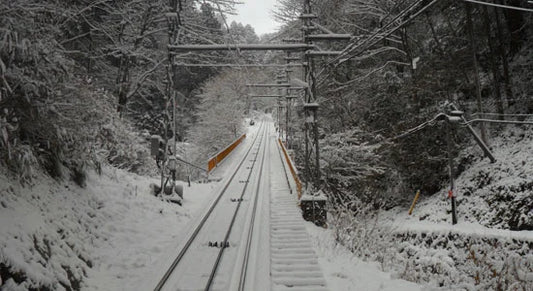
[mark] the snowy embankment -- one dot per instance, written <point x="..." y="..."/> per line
<point x="495" y="195"/>
<point x="345" y="271"/>
<point x="491" y="246"/>
<point x="56" y="235"/>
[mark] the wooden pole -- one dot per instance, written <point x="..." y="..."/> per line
<point x="414" y="202"/>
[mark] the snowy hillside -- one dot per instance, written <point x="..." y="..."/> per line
<point x="496" y="195"/>
<point x="484" y="251"/>
<point x="57" y="236"/>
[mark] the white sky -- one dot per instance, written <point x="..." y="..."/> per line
<point x="257" y="13"/>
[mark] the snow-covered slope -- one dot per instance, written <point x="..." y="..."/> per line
<point x="485" y="250"/>
<point x="495" y="195"/>
<point x="57" y="236"/>
<point x="491" y="246"/>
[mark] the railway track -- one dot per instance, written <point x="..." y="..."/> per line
<point x="213" y="250"/>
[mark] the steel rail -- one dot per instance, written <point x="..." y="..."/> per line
<point x="230" y="228"/>
<point x="248" y="247"/>
<point x="189" y="242"/>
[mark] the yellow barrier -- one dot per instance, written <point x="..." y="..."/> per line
<point x="214" y="161"/>
<point x="414" y="202"/>
<point x="292" y="169"/>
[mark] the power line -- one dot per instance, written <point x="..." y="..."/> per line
<point x="191" y="164"/>
<point x="418" y="128"/>
<point x="501" y="114"/>
<point x="500" y="5"/>
<point x="401" y="14"/>
<point x="368" y="42"/>
<point x="499" y="121"/>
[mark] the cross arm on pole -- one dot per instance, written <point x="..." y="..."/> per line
<point x="241" y="65"/>
<point x="281" y="85"/>
<point x="242" y="47"/>
<point x="322" y="53"/>
<point x="329" y="36"/>
<point x="272" y="96"/>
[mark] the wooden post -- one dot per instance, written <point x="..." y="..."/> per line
<point x="414" y="202"/>
<point x="451" y="193"/>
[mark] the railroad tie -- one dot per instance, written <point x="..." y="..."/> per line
<point x="293" y="263"/>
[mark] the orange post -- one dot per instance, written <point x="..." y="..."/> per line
<point x="414" y="202"/>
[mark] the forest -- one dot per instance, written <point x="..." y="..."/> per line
<point x="85" y="83"/>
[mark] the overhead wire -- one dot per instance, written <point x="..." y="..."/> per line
<point x="374" y="38"/>
<point x="417" y="128"/>
<point x="354" y="44"/>
<point x="343" y="57"/>
<point x="237" y="53"/>
<point x="498" y="121"/>
<point x="502" y="114"/>
<point x="500" y="5"/>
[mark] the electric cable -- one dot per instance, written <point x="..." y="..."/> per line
<point x="498" y="121"/>
<point x="500" y="5"/>
<point x="418" y="128"/>
<point x="500" y="114"/>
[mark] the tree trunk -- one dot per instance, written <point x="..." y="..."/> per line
<point x="434" y="34"/>
<point x="470" y="28"/>
<point x="515" y="24"/>
<point x="493" y="65"/>
<point x="503" y="56"/>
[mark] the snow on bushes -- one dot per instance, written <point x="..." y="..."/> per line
<point x="483" y="252"/>
<point x="352" y="161"/>
<point x="436" y="255"/>
<point x="457" y="260"/>
<point x="498" y="195"/>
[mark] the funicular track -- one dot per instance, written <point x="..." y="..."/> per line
<point x="198" y="262"/>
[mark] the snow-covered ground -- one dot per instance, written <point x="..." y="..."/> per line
<point x="484" y="251"/>
<point x="110" y="235"/>
<point x="345" y="271"/>
<point x="103" y="237"/>
<point x="496" y="195"/>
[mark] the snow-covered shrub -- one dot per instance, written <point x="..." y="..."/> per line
<point x="356" y="226"/>
<point x="220" y="114"/>
<point x="22" y="162"/>
<point x="455" y="260"/>
<point x="352" y="161"/>
<point x="119" y="144"/>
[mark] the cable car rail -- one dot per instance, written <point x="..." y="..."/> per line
<point x="260" y="141"/>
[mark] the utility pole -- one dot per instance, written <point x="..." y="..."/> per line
<point x="173" y="21"/>
<point x="310" y="105"/>
<point x="312" y="152"/>
<point x="451" y="194"/>
<point x="287" y="101"/>
<point x="280" y="80"/>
